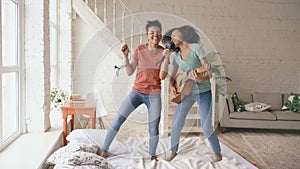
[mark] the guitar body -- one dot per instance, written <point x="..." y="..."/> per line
<point x="184" y="85"/>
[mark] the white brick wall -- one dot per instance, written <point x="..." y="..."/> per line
<point x="37" y="64"/>
<point x="259" y="40"/>
<point x="65" y="45"/>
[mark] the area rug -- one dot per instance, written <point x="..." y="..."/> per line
<point x="275" y="152"/>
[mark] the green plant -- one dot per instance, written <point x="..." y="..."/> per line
<point x="218" y="70"/>
<point x="58" y="98"/>
<point x="236" y="102"/>
<point x="294" y="104"/>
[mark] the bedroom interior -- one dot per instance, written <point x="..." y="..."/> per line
<point x="78" y="50"/>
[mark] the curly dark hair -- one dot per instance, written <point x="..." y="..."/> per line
<point x="189" y="34"/>
<point x="152" y="23"/>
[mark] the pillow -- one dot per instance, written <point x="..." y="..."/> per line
<point x="292" y="103"/>
<point x="257" y="107"/>
<point x="96" y="136"/>
<point x="62" y="152"/>
<point x="288" y="103"/>
<point x="65" y="166"/>
<point x="236" y="102"/>
<point x="91" y="148"/>
<point x="86" y="158"/>
<point x="88" y="136"/>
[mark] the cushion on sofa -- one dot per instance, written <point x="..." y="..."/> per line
<point x="265" y="115"/>
<point x="273" y="99"/>
<point x="292" y="103"/>
<point x="236" y="103"/>
<point x="257" y="107"/>
<point x="287" y="115"/>
<point x="287" y="99"/>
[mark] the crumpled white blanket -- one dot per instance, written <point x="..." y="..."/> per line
<point x="132" y="153"/>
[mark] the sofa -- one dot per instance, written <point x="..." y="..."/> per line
<point x="272" y="118"/>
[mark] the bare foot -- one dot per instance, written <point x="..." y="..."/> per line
<point x="103" y="154"/>
<point x="218" y="157"/>
<point x="172" y="155"/>
<point x="154" y="158"/>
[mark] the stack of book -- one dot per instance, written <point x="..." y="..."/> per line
<point x="76" y="98"/>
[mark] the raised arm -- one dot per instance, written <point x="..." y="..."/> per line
<point x="130" y="65"/>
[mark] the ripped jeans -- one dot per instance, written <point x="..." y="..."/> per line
<point x="133" y="100"/>
<point x="204" y="102"/>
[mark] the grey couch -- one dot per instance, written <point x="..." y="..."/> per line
<point x="273" y="118"/>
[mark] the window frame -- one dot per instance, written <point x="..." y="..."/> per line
<point x="19" y="69"/>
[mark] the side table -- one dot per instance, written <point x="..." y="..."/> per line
<point x="88" y="107"/>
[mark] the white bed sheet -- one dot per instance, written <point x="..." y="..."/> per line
<point x="132" y="153"/>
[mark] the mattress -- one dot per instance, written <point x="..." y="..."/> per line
<point x="132" y="153"/>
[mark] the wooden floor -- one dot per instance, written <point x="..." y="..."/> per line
<point x="274" y="149"/>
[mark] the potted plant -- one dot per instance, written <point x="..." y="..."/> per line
<point x="218" y="70"/>
<point x="58" y="98"/>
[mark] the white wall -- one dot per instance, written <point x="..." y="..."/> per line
<point x="258" y="40"/>
<point x="37" y="65"/>
<point x="37" y="59"/>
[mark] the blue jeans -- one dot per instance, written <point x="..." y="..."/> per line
<point x="204" y="102"/>
<point x="133" y="100"/>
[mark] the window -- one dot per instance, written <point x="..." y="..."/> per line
<point x="10" y="72"/>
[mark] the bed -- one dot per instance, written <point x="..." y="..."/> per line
<point x="132" y="153"/>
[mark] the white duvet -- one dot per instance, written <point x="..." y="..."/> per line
<point x="132" y="153"/>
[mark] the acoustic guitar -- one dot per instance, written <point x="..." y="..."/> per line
<point x="184" y="85"/>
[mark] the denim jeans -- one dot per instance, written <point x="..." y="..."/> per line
<point x="133" y="100"/>
<point x="204" y="102"/>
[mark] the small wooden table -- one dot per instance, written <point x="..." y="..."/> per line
<point x="88" y="107"/>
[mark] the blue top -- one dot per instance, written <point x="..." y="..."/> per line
<point x="191" y="63"/>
